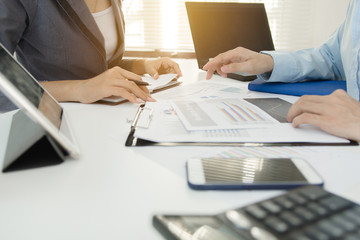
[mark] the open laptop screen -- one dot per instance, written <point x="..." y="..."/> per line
<point x="219" y="27"/>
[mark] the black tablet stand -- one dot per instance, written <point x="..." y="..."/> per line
<point x="43" y="150"/>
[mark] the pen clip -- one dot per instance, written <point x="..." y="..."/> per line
<point x="142" y="118"/>
<point x="145" y="118"/>
<point x="137" y="115"/>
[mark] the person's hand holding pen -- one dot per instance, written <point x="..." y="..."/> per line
<point x="115" y="82"/>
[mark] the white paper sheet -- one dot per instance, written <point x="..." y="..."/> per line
<point x="162" y="81"/>
<point x="203" y="90"/>
<point x="220" y="113"/>
<point x="165" y="126"/>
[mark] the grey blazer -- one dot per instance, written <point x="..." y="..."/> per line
<point x="58" y="39"/>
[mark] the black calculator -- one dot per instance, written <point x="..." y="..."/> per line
<point x="306" y="213"/>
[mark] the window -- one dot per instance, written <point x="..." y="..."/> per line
<point x="163" y="25"/>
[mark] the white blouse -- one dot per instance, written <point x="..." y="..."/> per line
<point x="107" y="25"/>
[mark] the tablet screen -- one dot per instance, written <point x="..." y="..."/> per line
<point x="47" y="114"/>
<point x="30" y="88"/>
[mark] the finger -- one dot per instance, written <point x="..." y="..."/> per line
<point x="207" y="66"/>
<point x="209" y="73"/>
<point x="308" y="100"/>
<point x="121" y="81"/>
<point x="169" y="66"/>
<point x="247" y="67"/>
<point x="301" y="107"/>
<point x="144" y="88"/>
<point x="156" y="75"/>
<point x="234" y="67"/>
<point x="212" y="64"/>
<point x="340" y="95"/>
<point x="177" y="69"/>
<point x="324" y="124"/>
<point x="122" y="92"/>
<point x="153" y="72"/>
<point x="234" y="55"/>
<point x="136" y="90"/>
<point x="314" y="98"/>
<point x="133" y="88"/>
<point x="309" y="118"/>
<point x="215" y="62"/>
<point x="129" y="75"/>
<point x="221" y="73"/>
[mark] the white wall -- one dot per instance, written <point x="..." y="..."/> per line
<point x="299" y="24"/>
<point x="327" y="15"/>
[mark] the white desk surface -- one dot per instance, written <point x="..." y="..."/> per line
<point x="112" y="191"/>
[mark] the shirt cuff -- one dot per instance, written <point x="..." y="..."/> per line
<point x="265" y="76"/>
<point x="284" y="67"/>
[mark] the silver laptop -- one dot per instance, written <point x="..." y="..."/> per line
<point x="217" y="27"/>
<point x="39" y="115"/>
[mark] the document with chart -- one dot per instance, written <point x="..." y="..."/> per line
<point x="230" y="113"/>
<point x="226" y="121"/>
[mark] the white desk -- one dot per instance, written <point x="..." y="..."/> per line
<point x="113" y="191"/>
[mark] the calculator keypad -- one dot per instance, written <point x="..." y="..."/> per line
<point x="306" y="213"/>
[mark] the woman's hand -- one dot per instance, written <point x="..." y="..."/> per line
<point x="337" y="114"/>
<point x="239" y="60"/>
<point x="112" y="82"/>
<point x="161" y="66"/>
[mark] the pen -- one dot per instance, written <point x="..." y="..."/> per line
<point x="139" y="82"/>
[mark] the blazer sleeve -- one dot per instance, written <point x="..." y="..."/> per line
<point x="126" y="64"/>
<point x="15" y="17"/>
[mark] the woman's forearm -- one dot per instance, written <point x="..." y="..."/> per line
<point x="64" y="91"/>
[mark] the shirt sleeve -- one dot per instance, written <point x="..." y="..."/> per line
<point x="322" y="62"/>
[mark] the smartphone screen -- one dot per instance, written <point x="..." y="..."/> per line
<point x="251" y="172"/>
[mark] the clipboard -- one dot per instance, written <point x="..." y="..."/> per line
<point x="144" y="116"/>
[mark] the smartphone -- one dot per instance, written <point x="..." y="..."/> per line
<point x="250" y="173"/>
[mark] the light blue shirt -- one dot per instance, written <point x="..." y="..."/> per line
<point x="336" y="59"/>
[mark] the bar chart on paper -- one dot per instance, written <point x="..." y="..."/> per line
<point x="236" y="112"/>
<point x="229" y="113"/>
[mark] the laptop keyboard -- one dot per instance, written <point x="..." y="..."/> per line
<point x="307" y="213"/>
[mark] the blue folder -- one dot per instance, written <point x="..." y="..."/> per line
<point x="314" y="87"/>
